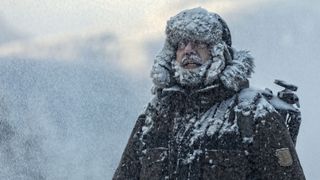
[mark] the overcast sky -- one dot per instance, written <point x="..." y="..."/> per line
<point x="51" y="17"/>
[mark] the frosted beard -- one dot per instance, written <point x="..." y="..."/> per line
<point x="204" y="75"/>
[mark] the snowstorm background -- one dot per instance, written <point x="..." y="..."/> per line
<point x="74" y="76"/>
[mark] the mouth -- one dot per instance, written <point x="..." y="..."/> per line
<point x="191" y="65"/>
<point x="191" y="62"/>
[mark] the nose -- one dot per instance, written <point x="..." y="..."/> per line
<point x="189" y="48"/>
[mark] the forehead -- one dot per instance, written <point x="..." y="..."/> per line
<point x="195" y="45"/>
<point x="193" y="41"/>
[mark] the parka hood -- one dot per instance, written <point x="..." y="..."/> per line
<point x="200" y="25"/>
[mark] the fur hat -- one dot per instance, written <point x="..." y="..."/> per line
<point x="200" y="25"/>
<point x="197" y="24"/>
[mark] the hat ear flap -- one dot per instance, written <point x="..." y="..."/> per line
<point x="226" y="35"/>
<point x="162" y="69"/>
<point x="228" y="54"/>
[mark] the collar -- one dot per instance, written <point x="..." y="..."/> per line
<point x="204" y="97"/>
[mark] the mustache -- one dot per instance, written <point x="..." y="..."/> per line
<point x="195" y="59"/>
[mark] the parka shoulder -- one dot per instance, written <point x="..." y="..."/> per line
<point x="257" y="106"/>
<point x="271" y="147"/>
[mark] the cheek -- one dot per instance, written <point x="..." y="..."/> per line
<point x="204" y="54"/>
<point x="179" y="56"/>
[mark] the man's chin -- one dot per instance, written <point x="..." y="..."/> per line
<point x="191" y="75"/>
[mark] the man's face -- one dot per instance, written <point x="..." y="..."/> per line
<point x="191" y="55"/>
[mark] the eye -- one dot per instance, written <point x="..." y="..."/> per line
<point x="181" y="45"/>
<point x="201" y="45"/>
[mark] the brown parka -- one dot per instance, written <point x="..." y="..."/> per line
<point x="233" y="136"/>
<point x="220" y="130"/>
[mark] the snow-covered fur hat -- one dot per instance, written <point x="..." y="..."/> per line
<point x="200" y="25"/>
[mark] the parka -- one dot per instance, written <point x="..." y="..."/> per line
<point x="223" y="129"/>
<point x="212" y="133"/>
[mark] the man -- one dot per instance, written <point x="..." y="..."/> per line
<point x="204" y="121"/>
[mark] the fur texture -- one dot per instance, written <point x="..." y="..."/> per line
<point x="234" y="67"/>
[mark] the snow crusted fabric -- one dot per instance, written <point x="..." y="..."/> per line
<point x="221" y="129"/>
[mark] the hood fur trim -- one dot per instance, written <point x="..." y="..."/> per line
<point x="235" y="75"/>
